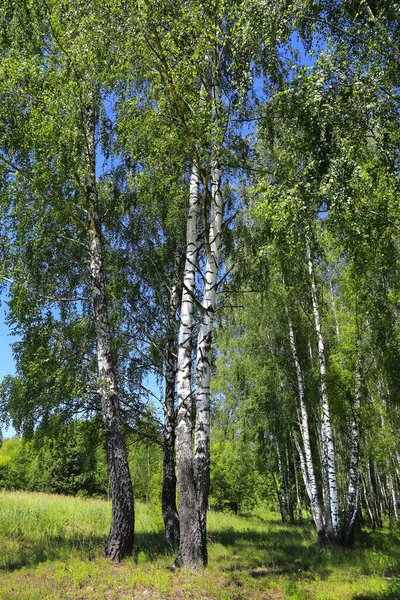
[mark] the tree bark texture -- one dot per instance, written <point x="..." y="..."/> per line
<point x="333" y="532"/>
<point x="120" y="539"/>
<point x="283" y="504"/>
<point x="168" y="497"/>
<point x="354" y="471"/>
<point x="204" y="342"/>
<point x="390" y="495"/>
<point x="303" y="467"/>
<point x="315" y="505"/>
<point x="289" y="487"/>
<point x="298" y="496"/>
<point x="190" y="543"/>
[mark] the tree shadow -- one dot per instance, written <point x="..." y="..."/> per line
<point x="151" y="544"/>
<point x="291" y="551"/>
<point x="31" y="552"/>
<point x="391" y="594"/>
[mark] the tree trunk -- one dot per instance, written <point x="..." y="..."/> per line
<point x="369" y="506"/>
<point x="326" y="429"/>
<point x="298" y="497"/>
<point x="354" y="472"/>
<point x="391" y="495"/>
<point x="120" y="539"/>
<point x="190" y="543"/>
<point x="313" y="490"/>
<point x="289" y="488"/>
<point x="282" y="487"/>
<point x="168" y="497"/>
<point x="373" y="500"/>
<point x="302" y="464"/>
<point x="213" y="251"/>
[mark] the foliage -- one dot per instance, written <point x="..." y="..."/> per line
<point x="69" y="458"/>
<point x="104" y="110"/>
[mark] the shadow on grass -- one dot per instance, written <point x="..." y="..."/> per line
<point x="289" y="551"/>
<point x="391" y="594"/>
<point x="32" y="552"/>
<point x="294" y="551"/>
<point x="151" y="544"/>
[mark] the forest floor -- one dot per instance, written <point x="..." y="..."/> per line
<point x="51" y="547"/>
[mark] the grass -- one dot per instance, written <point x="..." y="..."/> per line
<point x="51" y="548"/>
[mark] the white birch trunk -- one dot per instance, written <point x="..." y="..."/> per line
<point x="335" y="312"/>
<point x="305" y="434"/>
<point x="282" y="487"/>
<point x="168" y="497"/>
<point x="326" y="429"/>
<point x="368" y="504"/>
<point x="354" y="471"/>
<point x="204" y="342"/>
<point x="302" y="463"/>
<point x="190" y="534"/>
<point x="298" y="498"/>
<point x="391" y="496"/>
<point x="289" y="487"/>
<point x="373" y="499"/>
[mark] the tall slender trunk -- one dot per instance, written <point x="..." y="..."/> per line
<point x="213" y="251"/>
<point x="391" y="496"/>
<point x="354" y="471"/>
<point x="120" y="539"/>
<point x="298" y="497"/>
<point x="168" y="496"/>
<point x="369" y="505"/>
<point x="394" y="512"/>
<point x="303" y="467"/>
<point x="305" y="434"/>
<point x="282" y="487"/>
<point x="190" y="543"/>
<point x="289" y="487"/>
<point x="335" y="315"/>
<point x="373" y="499"/>
<point x="326" y="429"/>
<point x="325" y="483"/>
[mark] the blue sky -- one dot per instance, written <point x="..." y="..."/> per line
<point x="6" y="359"/>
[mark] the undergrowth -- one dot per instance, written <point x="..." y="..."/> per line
<point x="51" y="547"/>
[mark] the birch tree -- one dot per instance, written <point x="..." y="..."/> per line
<point x="53" y="77"/>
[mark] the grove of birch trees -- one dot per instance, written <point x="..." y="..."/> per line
<point x="205" y="196"/>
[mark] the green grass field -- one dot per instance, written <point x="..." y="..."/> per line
<point x="51" y="547"/>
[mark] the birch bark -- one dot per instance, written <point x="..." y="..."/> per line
<point x="298" y="497"/>
<point x="190" y="543"/>
<point x="391" y="497"/>
<point x="289" y="487"/>
<point x="354" y="471"/>
<point x="120" y="539"/>
<point x="305" y="434"/>
<point x="282" y="487"/>
<point x="326" y="428"/>
<point x="213" y="251"/>
<point x="302" y="463"/>
<point x="168" y="496"/>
